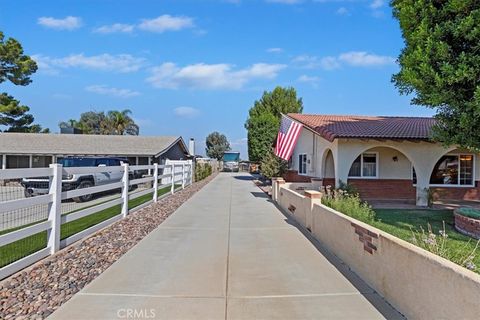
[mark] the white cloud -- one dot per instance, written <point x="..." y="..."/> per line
<point x="342" y="11"/>
<point x="306" y="61"/>
<point x="186" y="112"/>
<point x="305" y="78"/>
<point x="67" y="23"/>
<point x="312" y="80"/>
<point x="275" y="50"/>
<point x="115" y="28"/>
<point x="364" y="59"/>
<point x="166" y="23"/>
<point x="210" y="76"/>
<point x="110" y="91"/>
<point x="122" y="63"/>
<point x="376" y="4"/>
<point x="352" y="58"/>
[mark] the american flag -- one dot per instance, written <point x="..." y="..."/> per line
<point x="287" y="138"/>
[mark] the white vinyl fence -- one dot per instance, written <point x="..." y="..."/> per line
<point x="34" y="227"/>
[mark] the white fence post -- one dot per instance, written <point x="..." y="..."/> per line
<point x="55" y="208"/>
<point x="173" y="179"/>
<point x="125" y="188"/>
<point x="183" y="176"/>
<point x="155" y="182"/>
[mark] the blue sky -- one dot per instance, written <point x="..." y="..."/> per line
<point x="192" y="67"/>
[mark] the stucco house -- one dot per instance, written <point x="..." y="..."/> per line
<point x="33" y="150"/>
<point x="385" y="158"/>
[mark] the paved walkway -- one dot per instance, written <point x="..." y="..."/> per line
<point x="227" y="253"/>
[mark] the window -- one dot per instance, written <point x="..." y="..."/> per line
<point x="302" y="164"/>
<point x="365" y="166"/>
<point x="14" y="162"/>
<point x="453" y="170"/>
<point x="41" y="161"/>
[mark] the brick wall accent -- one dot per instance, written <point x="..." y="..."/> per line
<point x="384" y="189"/>
<point x="467" y="225"/>
<point x="453" y="193"/>
<point x="293" y="176"/>
<point x="366" y="237"/>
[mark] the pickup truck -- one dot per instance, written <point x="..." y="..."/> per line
<point x="38" y="186"/>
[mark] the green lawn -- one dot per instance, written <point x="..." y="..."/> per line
<point x="26" y="246"/>
<point x="400" y="222"/>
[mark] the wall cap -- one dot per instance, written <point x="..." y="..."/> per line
<point x="312" y="194"/>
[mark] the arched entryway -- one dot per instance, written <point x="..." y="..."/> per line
<point x="328" y="168"/>
<point x="383" y="173"/>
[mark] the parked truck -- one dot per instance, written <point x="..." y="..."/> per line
<point x="38" y="186"/>
<point x="231" y="161"/>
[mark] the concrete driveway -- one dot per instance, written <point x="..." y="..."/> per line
<point x="227" y="253"/>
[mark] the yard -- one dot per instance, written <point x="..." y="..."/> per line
<point x="26" y="246"/>
<point x="400" y="222"/>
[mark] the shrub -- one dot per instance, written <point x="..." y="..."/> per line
<point x="439" y="245"/>
<point x="272" y="166"/>
<point x="202" y="170"/>
<point x="349" y="204"/>
<point x="348" y="188"/>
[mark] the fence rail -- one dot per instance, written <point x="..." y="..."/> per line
<point x="55" y="221"/>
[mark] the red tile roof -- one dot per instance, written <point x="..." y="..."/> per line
<point x="332" y="127"/>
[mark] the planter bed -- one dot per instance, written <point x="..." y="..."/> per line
<point x="467" y="221"/>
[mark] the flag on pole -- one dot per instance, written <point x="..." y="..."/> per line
<point x="287" y="137"/>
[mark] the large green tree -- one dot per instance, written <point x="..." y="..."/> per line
<point x="217" y="144"/>
<point x="17" y="68"/>
<point x="262" y="131"/>
<point x="440" y="64"/>
<point x="264" y="119"/>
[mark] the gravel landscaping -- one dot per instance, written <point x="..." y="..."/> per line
<point x="39" y="290"/>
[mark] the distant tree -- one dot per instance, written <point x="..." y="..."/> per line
<point x="440" y="64"/>
<point x="92" y="122"/>
<point x="17" y="68"/>
<point x="217" y="144"/>
<point x="112" y="123"/>
<point x="272" y="166"/>
<point x="15" y="116"/>
<point x="121" y="123"/>
<point x="264" y="119"/>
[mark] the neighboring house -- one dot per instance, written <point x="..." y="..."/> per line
<point x="34" y="150"/>
<point x="385" y="158"/>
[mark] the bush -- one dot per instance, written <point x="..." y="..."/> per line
<point x="202" y="170"/>
<point x="272" y="166"/>
<point x="349" y="204"/>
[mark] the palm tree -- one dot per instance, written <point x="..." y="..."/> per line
<point x="120" y="123"/>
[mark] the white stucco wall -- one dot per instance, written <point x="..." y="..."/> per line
<point x="316" y="147"/>
<point x="390" y="169"/>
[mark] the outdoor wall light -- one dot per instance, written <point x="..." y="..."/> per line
<point x="395" y="159"/>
